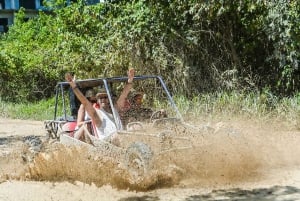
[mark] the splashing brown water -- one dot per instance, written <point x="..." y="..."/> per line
<point x="231" y="153"/>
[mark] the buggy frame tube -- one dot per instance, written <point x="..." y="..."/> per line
<point x="106" y="82"/>
<point x="169" y="96"/>
<point x="111" y="103"/>
<point x="63" y="102"/>
<point x="56" y="102"/>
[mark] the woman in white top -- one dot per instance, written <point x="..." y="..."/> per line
<point x="104" y="125"/>
<point x="82" y="115"/>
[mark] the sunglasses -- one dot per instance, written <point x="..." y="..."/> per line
<point x="92" y="100"/>
<point x="103" y="97"/>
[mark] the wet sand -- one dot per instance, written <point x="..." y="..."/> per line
<point x="238" y="160"/>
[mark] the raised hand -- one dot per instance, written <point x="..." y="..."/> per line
<point x="130" y="75"/>
<point x="69" y="78"/>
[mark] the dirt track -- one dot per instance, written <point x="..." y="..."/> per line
<point x="239" y="160"/>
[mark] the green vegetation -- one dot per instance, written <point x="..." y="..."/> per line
<point x="259" y="106"/>
<point x="197" y="46"/>
<point x="231" y="50"/>
<point x="41" y="110"/>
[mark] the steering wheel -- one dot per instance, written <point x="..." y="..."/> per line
<point x="157" y="115"/>
<point x="135" y="125"/>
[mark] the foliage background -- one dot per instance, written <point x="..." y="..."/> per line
<point x="197" y="46"/>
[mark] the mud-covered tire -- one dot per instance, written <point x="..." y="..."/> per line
<point x="138" y="158"/>
<point x="33" y="142"/>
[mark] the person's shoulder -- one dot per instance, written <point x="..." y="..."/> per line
<point x="81" y="107"/>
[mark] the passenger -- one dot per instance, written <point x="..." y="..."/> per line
<point x="137" y="100"/>
<point x="136" y="114"/>
<point x="139" y="113"/>
<point x="126" y="106"/>
<point x="102" y="119"/>
<point x="82" y="115"/>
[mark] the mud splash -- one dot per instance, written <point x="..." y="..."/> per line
<point x="74" y="164"/>
<point x="218" y="157"/>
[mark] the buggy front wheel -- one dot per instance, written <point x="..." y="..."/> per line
<point x="138" y="158"/>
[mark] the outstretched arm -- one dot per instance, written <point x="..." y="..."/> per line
<point x="122" y="99"/>
<point x="80" y="115"/>
<point x="87" y="105"/>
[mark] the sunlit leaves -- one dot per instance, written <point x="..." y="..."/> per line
<point x="196" y="46"/>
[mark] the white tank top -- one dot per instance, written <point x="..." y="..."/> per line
<point x="118" y="119"/>
<point x="107" y="127"/>
<point x="87" y="116"/>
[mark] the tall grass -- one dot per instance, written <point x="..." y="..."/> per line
<point x="41" y="110"/>
<point x="253" y="105"/>
<point x="261" y="106"/>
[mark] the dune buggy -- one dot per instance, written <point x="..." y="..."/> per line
<point x="156" y="133"/>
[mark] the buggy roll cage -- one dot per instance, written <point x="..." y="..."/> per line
<point x="62" y="86"/>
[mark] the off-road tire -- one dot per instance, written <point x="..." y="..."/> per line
<point x="138" y="158"/>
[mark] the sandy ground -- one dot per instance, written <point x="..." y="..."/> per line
<point x="236" y="160"/>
